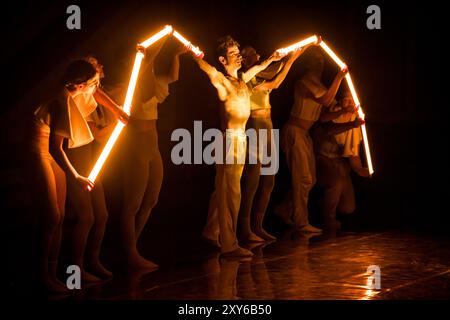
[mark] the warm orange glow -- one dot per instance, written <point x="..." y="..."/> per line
<point x="333" y="56"/>
<point x="362" y="116"/>
<point x="299" y="44"/>
<point x="118" y="129"/>
<point x="342" y="65"/>
<point x="164" y="32"/>
<point x="105" y="153"/>
<point x="353" y="92"/>
<point x="366" y="149"/>
<point x="198" y="53"/>
<point x="130" y="93"/>
<point x="133" y="81"/>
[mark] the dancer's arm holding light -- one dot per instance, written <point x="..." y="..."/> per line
<point x="57" y="152"/>
<point x="147" y="82"/>
<point x="327" y="98"/>
<point x="279" y="78"/>
<point x="216" y="77"/>
<point x="102" y="98"/>
<point x="332" y="128"/>
<point x="174" y="71"/>
<point x="151" y="53"/>
<point x="327" y="115"/>
<point x="356" y="165"/>
<point x="253" y="71"/>
<point x="160" y="82"/>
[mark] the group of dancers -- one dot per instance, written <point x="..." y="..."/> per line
<point x="321" y="142"/>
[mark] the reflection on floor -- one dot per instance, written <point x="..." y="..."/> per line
<point x="301" y="267"/>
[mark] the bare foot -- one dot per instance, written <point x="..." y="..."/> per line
<point x="264" y="235"/>
<point x="54" y="286"/>
<point x="87" y="277"/>
<point x="250" y="237"/>
<point x="211" y="242"/>
<point x="237" y="253"/>
<point x="309" y="229"/>
<point x="139" y="262"/>
<point x="96" y="268"/>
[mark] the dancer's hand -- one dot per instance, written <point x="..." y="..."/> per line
<point x="181" y="49"/>
<point x="297" y="52"/>
<point x="84" y="183"/>
<point x="343" y="72"/>
<point x="363" y="172"/>
<point x="276" y="56"/>
<point x="358" y="122"/>
<point x="319" y="40"/>
<point x="141" y="49"/>
<point x="349" y="108"/>
<point x="122" y="116"/>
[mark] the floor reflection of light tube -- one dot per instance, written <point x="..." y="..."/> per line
<point x="127" y="104"/>
<point x="342" y="65"/>
<point x="370" y="292"/>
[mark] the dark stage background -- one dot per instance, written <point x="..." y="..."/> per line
<point x="398" y="72"/>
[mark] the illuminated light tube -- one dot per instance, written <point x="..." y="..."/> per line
<point x="362" y="116"/>
<point x="196" y="50"/>
<point x="299" y="44"/>
<point x="118" y="129"/>
<point x="353" y="92"/>
<point x="367" y="149"/>
<point x="127" y="104"/>
<point x="342" y="65"/>
<point x="164" y="32"/>
<point x="333" y="56"/>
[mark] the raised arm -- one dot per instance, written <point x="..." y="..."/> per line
<point x="216" y="77"/>
<point x="253" y="71"/>
<point x="174" y="71"/>
<point x="151" y="52"/>
<point x="328" y="97"/>
<point x="275" y="83"/>
<point x="147" y="78"/>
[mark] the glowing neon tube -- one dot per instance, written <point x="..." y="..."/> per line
<point x="196" y="50"/>
<point x="118" y="129"/>
<point x="299" y="44"/>
<point x="164" y="32"/>
<point x="127" y="104"/>
<point x="362" y="116"/>
<point x="333" y="56"/>
<point x="342" y="65"/>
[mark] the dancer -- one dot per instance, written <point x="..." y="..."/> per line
<point x="256" y="188"/>
<point x="310" y="96"/>
<point x="61" y="121"/>
<point x="235" y="102"/>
